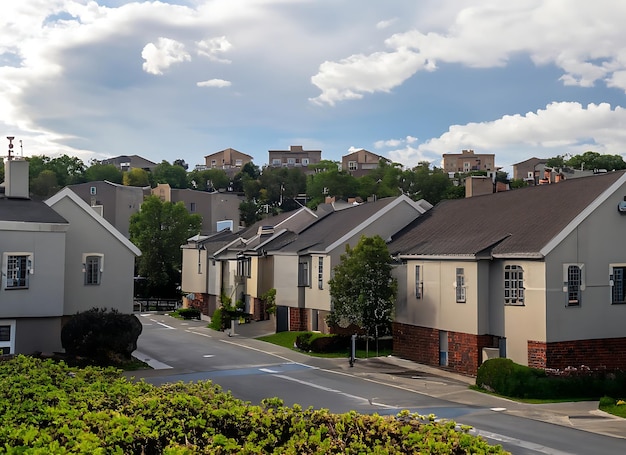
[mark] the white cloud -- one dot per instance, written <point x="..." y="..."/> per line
<point x="214" y="83"/>
<point x="562" y="127"/>
<point x="213" y="47"/>
<point x="162" y="55"/>
<point x="584" y="39"/>
<point x="386" y="23"/>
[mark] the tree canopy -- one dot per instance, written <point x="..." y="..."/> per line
<point x="362" y="288"/>
<point x="158" y="230"/>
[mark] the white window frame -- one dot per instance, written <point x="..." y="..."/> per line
<point x="320" y="272"/>
<point x="459" y="285"/>
<point x="305" y="161"/>
<point x="88" y="274"/>
<point x="276" y="161"/>
<point x="352" y="165"/>
<point x="10" y="343"/>
<point x="291" y="161"/>
<point x="419" y="285"/>
<point x="617" y="282"/>
<point x="304" y="273"/>
<point x="244" y="266"/>
<point x="573" y="288"/>
<point x="513" y="285"/>
<point x="9" y="276"/>
<point x="238" y="163"/>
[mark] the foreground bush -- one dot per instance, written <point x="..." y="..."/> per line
<point x="107" y="337"/>
<point x="504" y="377"/>
<point x="48" y="407"/>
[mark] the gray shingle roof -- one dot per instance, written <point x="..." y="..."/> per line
<point x="27" y="210"/>
<point x="516" y="222"/>
<point x="335" y="225"/>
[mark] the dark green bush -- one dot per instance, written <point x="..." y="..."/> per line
<point x="321" y="343"/>
<point x="189" y="313"/>
<point x="303" y="341"/>
<point x="216" y="320"/>
<point x="504" y="377"/>
<point x="107" y="337"/>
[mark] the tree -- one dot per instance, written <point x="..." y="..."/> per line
<point x="45" y="184"/>
<point x="136" y="177"/>
<point x="98" y="172"/>
<point x="174" y="175"/>
<point x="362" y="289"/>
<point x="207" y="180"/>
<point x="158" y="230"/>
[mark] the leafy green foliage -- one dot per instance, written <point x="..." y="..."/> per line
<point x="47" y="407"/>
<point x="98" y="172"/>
<point x="136" y="177"/>
<point x="269" y="299"/>
<point x="362" y="289"/>
<point x="189" y="313"/>
<point x="174" y="175"/>
<point x="108" y="337"/>
<point x="159" y="229"/>
<point x="504" y="377"/>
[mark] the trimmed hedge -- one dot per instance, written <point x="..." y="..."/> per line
<point x="504" y="377"/>
<point x="48" y="407"/>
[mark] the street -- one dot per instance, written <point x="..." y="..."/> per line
<point x="253" y="370"/>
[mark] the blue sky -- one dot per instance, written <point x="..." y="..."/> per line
<point x="407" y="80"/>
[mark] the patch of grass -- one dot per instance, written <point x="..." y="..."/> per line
<point x="529" y="400"/>
<point x="288" y="340"/>
<point x="615" y="407"/>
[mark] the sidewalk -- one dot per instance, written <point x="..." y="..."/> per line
<point x="454" y="387"/>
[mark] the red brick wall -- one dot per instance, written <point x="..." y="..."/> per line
<point x="537" y="354"/>
<point x="598" y="353"/>
<point x="298" y="320"/>
<point x="421" y="344"/>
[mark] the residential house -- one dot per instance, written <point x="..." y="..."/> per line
<point x="58" y="257"/>
<point x="468" y="161"/>
<point x="215" y="265"/>
<point x="219" y="210"/>
<point x="361" y="162"/>
<point x="229" y="160"/>
<point x="535" y="274"/>
<point x="296" y="157"/>
<point x="302" y="266"/>
<point x="528" y="170"/>
<point x="127" y="162"/>
<point x="115" y="202"/>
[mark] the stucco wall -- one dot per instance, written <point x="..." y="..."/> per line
<point x="286" y="280"/>
<point x="194" y="278"/>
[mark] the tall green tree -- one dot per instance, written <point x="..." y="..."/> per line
<point x="362" y="288"/>
<point x="136" y="177"/>
<point x="207" y="180"/>
<point x="98" y="172"/>
<point x="158" y="230"/>
<point x="174" y="175"/>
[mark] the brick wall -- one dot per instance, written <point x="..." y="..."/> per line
<point x="421" y="344"/>
<point x="597" y="353"/>
<point x="537" y="354"/>
<point x="298" y="320"/>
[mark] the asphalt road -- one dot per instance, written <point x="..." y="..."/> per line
<point x="253" y="370"/>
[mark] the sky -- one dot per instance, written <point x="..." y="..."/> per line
<point x="406" y="80"/>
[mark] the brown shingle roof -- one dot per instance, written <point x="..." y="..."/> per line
<point x="516" y="222"/>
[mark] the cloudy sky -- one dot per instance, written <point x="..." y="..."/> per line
<point x="407" y="80"/>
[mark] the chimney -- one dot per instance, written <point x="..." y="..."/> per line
<point x="16" y="178"/>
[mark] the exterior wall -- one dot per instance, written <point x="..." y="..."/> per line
<point x="596" y="243"/>
<point x="85" y="235"/>
<point x="596" y="354"/>
<point x="118" y="202"/>
<point x="45" y="294"/>
<point x="523" y="169"/>
<point x="38" y="335"/>
<point x="365" y="160"/>
<point x="226" y="159"/>
<point x="421" y="344"/>
<point x="477" y="186"/>
<point x="195" y="275"/>
<point x="454" y="162"/>
<point x="316" y="298"/>
<point x="286" y="280"/>
<point x="297" y="153"/>
<point x="298" y="319"/>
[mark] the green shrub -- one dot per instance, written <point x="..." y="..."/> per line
<point x="107" y="337"/>
<point x="303" y="341"/>
<point x="189" y="313"/>
<point x="216" y="320"/>
<point x="51" y="408"/>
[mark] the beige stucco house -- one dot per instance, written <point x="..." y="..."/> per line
<point x="537" y="275"/>
<point x="58" y="257"/>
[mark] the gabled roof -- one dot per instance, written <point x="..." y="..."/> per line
<point x="28" y="211"/>
<point x="68" y="193"/>
<point x="527" y="222"/>
<point x="337" y="227"/>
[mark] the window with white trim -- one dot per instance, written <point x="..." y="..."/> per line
<point x="238" y="163"/>
<point x="291" y="161"/>
<point x="574" y="284"/>
<point x="18" y="267"/>
<point x="320" y="272"/>
<point x="305" y="161"/>
<point x="617" y="280"/>
<point x="7" y="337"/>
<point x="513" y="285"/>
<point x="418" y="282"/>
<point x="244" y="265"/>
<point x="460" y="285"/>
<point x="92" y="268"/>
<point x="303" y="273"/>
<point x="352" y="165"/>
<point x="276" y="162"/>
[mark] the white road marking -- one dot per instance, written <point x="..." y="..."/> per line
<point x="208" y="356"/>
<point x="199" y="333"/>
<point x="164" y="325"/>
<point x="155" y="364"/>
